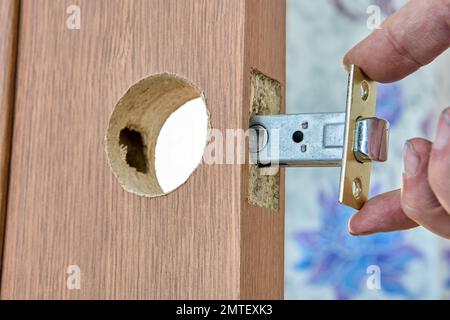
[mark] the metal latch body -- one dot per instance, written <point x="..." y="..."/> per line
<point x="351" y="140"/>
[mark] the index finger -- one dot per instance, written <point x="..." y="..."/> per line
<point x="411" y="38"/>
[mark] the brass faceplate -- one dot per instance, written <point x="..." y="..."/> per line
<point x="355" y="175"/>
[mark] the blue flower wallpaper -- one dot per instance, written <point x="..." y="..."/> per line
<point x="333" y="257"/>
<point x="322" y="260"/>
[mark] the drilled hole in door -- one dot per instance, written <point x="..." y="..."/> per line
<point x="157" y="134"/>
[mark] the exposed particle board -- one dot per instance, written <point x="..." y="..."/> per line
<point x="266" y="94"/>
<point x="264" y="183"/>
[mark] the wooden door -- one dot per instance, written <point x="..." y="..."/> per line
<point x="64" y="206"/>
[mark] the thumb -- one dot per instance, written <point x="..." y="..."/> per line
<point x="408" y="40"/>
<point x="381" y="214"/>
<point x="418" y="200"/>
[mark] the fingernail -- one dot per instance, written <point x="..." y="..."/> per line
<point x="411" y="160"/>
<point x="443" y="132"/>
<point x="350" y="229"/>
<point x="346" y="67"/>
<point x="356" y="233"/>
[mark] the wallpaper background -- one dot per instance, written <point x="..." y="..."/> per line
<point x="322" y="260"/>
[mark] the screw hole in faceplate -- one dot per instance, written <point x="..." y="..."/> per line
<point x="365" y="90"/>
<point x="357" y="188"/>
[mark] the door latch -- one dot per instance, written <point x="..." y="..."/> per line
<point x="351" y="139"/>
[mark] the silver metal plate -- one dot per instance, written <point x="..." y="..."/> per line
<point x="321" y="144"/>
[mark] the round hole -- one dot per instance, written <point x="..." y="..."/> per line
<point x="297" y="136"/>
<point x="157" y="134"/>
<point x="357" y="188"/>
<point x="365" y="90"/>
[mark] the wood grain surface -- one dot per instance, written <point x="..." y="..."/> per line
<point x="9" y="15"/>
<point x="262" y="230"/>
<point x="64" y="205"/>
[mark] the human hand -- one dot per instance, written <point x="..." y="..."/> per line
<point x="411" y="38"/>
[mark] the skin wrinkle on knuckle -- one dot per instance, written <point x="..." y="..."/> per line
<point x="441" y="12"/>
<point x="400" y="49"/>
<point x="446" y="12"/>
<point x="413" y="212"/>
<point x="415" y="207"/>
